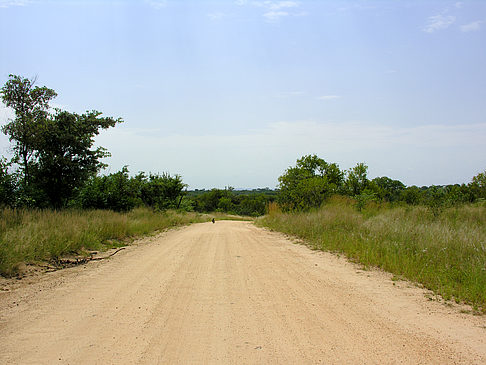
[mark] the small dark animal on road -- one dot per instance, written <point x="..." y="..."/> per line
<point x="212" y="220"/>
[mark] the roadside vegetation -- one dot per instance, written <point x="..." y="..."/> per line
<point x="437" y="239"/>
<point x="35" y="236"/>
<point x="312" y="181"/>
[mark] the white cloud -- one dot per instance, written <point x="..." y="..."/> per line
<point x="274" y="10"/>
<point x="9" y="3"/>
<point x="328" y="97"/>
<point x="350" y="6"/>
<point x="276" y="5"/>
<point x="438" y="22"/>
<point x="471" y="27"/>
<point x="157" y="4"/>
<point x="275" y="15"/>
<point x="216" y="16"/>
<point x="459" y="4"/>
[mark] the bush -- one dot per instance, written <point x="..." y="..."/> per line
<point x="8" y="185"/>
<point x="121" y="193"/>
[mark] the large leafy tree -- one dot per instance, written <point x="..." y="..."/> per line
<point x="65" y="159"/>
<point x="357" y="179"/>
<point x="31" y="105"/>
<point x="54" y="151"/>
<point x="309" y="183"/>
<point x="478" y="185"/>
<point x="117" y="191"/>
<point x="386" y="188"/>
<point x="162" y="191"/>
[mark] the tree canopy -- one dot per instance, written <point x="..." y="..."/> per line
<point x="31" y="105"/>
<point x="53" y="150"/>
<point x="309" y="183"/>
<point x="313" y="180"/>
<point x="65" y="159"/>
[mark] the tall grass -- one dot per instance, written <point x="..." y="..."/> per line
<point x="445" y="252"/>
<point x="43" y="235"/>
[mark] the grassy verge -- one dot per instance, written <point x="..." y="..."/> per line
<point x="29" y="236"/>
<point x="445" y="253"/>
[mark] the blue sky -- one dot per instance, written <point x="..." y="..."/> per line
<point x="231" y="93"/>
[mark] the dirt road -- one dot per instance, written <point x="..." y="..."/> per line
<point x="230" y="293"/>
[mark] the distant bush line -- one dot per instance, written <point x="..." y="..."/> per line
<point x="251" y="203"/>
<point x="313" y="180"/>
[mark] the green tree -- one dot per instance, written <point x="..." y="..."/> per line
<point x="434" y="197"/>
<point x="225" y="204"/>
<point x="411" y="195"/>
<point x="163" y="191"/>
<point x="117" y="191"/>
<point x="31" y="105"/>
<point x="64" y="153"/>
<point x="8" y="185"/>
<point x="455" y="194"/>
<point x="357" y="179"/>
<point x="386" y="188"/>
<point x="478" y="185"/>
<point x="309" y="183"/>
<point x="252" y="205"/>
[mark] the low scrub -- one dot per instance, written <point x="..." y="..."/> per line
<point x="445" y="251"/>
<point x="30" y="236"/>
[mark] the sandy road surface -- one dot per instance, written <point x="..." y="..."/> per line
<point x="230" y="293"/>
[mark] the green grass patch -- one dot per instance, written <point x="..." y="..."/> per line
<point x="31" y="236"/>
<point x="445" y="253"/>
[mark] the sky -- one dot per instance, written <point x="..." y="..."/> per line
<point x="232" y="93"/>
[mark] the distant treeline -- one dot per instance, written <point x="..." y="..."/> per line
<point x="54" y="165"/>
<point x="313" y="180"/>
<point x="242" y="202"/>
